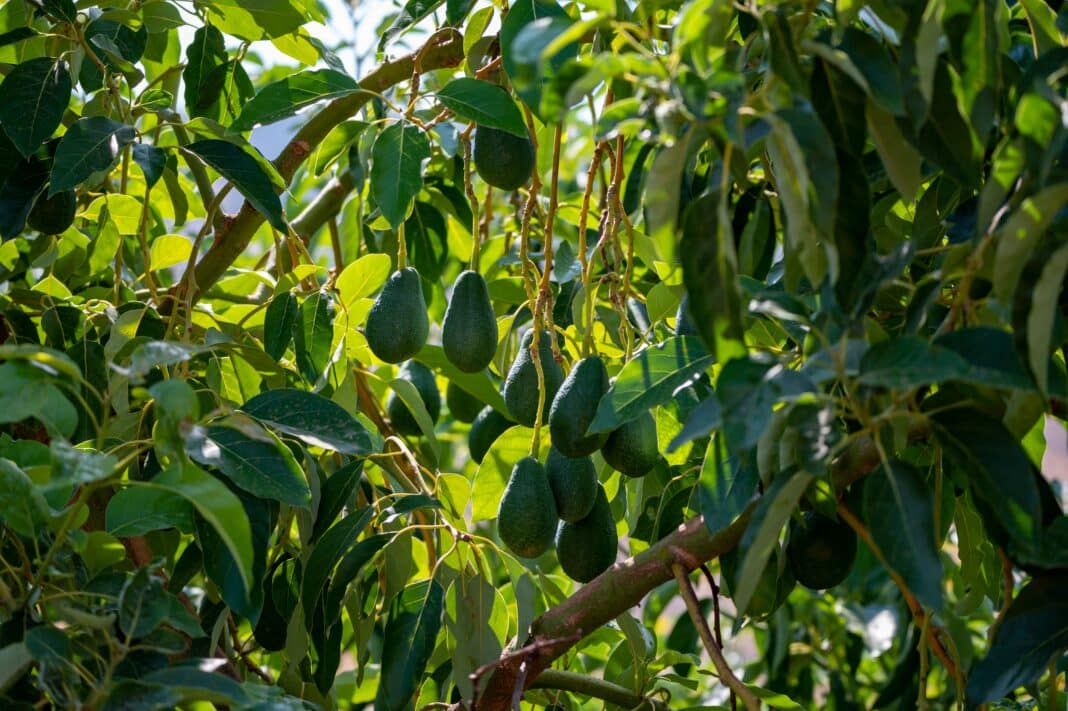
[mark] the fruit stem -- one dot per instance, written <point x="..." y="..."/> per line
<point x="476" y="234"/>
<point x="402" y="248"/>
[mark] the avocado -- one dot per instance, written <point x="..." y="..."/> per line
<point x="463" y="405"/>
<point x="487" y="427"/>
<point x="398" y="325"/>
<point x="521" y="386"/>
<point x="53" y="215"/>
<point x="684" y="325"/>
<point x="776" y="582"/>
<point x="820" y="550"/>
<point x="503" y="159"/>
<point x="632" y="448"/>
<point x="587" y="548"/>
<point x="526" y="519"/>
<point x="575" y="406"/>
<point x="400" y="416"/>
<point x="469" y="329"/>
<point x="574" y="484"/>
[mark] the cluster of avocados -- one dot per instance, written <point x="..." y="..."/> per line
<point x="560" y="502"/>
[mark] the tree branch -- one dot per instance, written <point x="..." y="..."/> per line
<point x="594" y="688"/>
<point x="444" y="49"/>
<point x="723" y="669"/>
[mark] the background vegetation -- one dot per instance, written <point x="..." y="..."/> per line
<point x="820" y="248"/>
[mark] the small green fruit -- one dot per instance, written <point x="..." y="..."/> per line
<point x="400" y="416"/>
<point x="821" y="550"/>
<point x="503" y="159"/>
<point x="398" y="325"/>
<point x="469" y="329"/>
<point x="632" y="448"/>
<point x="53" y="215"/>
<point x="526" y="519"/>
<point x="521" y="386"/>
<point x="487" y="427"/>
<point x="587" y="548"/>
<point x="463" y="405"/>
<point x="575" y="406"/>
<point x="574" y="484"/>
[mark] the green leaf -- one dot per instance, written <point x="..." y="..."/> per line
<point x="338" y="539"/>
<point x="726" y="487"/>
<point x="409" y="395"/>
<point x="410" y="636"/>
<point x="201" y="77"/>
<point x="747" y="392"/>
<point x="219" y="506"/>
<point x="362" y="278"/>
<point x="1033" y="632"/>
<point x="313" y="418"/>
<point x="264" y="467"/>
<point x="258" y="19"/>
<point x="495" y="470"/>
<point x="330" y="148"/>
<point x="199" y="685"/>
<point x="702" y="420"/>
<point x="476" y="620"/>
<point x="520" y="15"/>
<point x="313" y="334"/>
<point x="89" y="148"/>
<point x="478" y="384"/>
<point x="335" y="496"/>
<point x="991" y="356"/>
<point x="412" y="12"/>
<point x="152" y="161"/>
<point x="762" y="535"/>
<point x="483" y="102"/>
<point x="1019" y="236"/>
<point x="279" y="324"/>
<point x="33" y="98"/>
<point x="22" y="506"/>
<point x="15" y="659"/>
<point x="710" y="273"/>
<point x="1044" y="26"/>
<point x="244" y="171"/>
<point x="130" y="695"/>
<point x="1000" y="472"/>
<point x="142" y="604"/>
<point x="287" y="96"/>
<point x="899" y="511"/>
<point x="650" y="379"/>
<point x="1036" y="309"/>
<point x="137" y="510"/>
<point x="397" y="158"/>
<point x="909" y="362"/>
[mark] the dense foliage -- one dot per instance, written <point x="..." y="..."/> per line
<point x="552" y="309"/>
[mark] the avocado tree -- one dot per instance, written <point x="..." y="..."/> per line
<point x="560" y="354"/>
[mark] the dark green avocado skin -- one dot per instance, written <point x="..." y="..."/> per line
<point x="526" y="519"/>
<point x="574" y="484"/>
<point x="587" y="547"/>
<point x="463" y="405"/>
<point x="821" y="551"/>
<point x="632" y="448"/>
<point x="469" y="329"/>
<point x="398" y="324"/>
<point x="521" y="386"/>
<point x="423" y="379"/>
<point x="503" y="159"/>
<point x="487" y="427"/>
<point x="575" y="406"/>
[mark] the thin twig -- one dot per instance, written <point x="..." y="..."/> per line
<point x="714" y="650"/>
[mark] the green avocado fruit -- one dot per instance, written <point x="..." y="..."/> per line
<point x="632" y="448"/>
<point x="503" y="159"/>
<point x="821" y="550"/>
<point x="574" y="484"/>
<point x="526" y="519"/>
<point x="53" y="215"/>
<point x="469" y="329"/>
<point x="520" y="389"/>
<point x="587" y="548"/>
<point x="487" y="427"/>
<point x="776" y="582"/>
<point x="463" y="405"/>
<point x="574" y="407"/>
<point x="422" y="378"/>
<point x="398" y="325"/>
